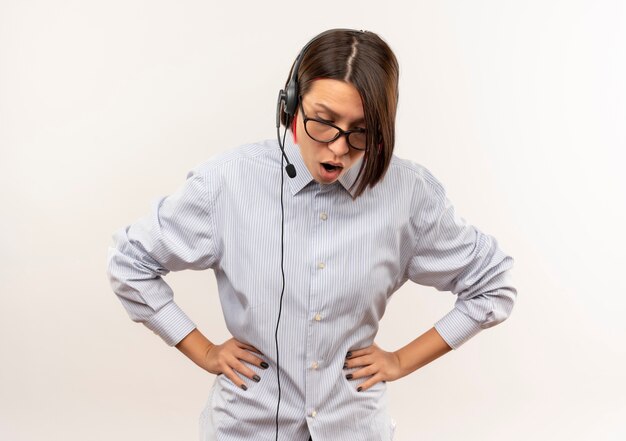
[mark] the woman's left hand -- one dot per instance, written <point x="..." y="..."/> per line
<point x="375" y="363"/>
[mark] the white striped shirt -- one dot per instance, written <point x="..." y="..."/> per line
<point x="344" y="258"/>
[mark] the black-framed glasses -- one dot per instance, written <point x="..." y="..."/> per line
<point x="324" y="131"/>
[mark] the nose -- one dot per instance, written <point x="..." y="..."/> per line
<point x="339" y="146"/>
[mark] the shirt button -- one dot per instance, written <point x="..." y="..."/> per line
<point x="318" y="317"/>
<point x="313" y="414"/>
<point x="321" y="265"/>
<point x="315" y="365"/>
<point x="323" y="216"/>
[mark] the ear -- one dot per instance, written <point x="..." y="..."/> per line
<point x="293" y="128"/>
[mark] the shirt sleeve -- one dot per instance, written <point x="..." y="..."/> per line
<point x="452" y="255"/>
<point x="178" y="234"/>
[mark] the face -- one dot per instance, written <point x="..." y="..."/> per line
<point x="339" y="103"/>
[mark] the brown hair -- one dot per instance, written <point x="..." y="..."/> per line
<point x="364" y="60"/>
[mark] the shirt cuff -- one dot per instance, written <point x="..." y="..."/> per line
<point x="456" y="328"/>
<point x="171" y="324"/>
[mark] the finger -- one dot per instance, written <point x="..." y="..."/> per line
<point x="248" y="347"/>
<point x="364" y="372"/>
<point x="245" y="371"/>
<point x="359" y="352"/>
<point x="369" y="383"/>
<point x="252" y="359"/>
<point x="360" y="361"/>
<point x="232" y="376"/>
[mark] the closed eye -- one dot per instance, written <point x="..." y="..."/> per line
<point x="325" y="120"/>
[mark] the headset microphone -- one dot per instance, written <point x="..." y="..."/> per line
<point x="291" y="170"/>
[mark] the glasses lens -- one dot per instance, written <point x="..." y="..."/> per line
<point x="319" y="131"/>
<point x="358" y="140"/>
<point x="322" y="132"/>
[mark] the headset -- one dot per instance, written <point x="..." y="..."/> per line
<point x="288" y="99"/>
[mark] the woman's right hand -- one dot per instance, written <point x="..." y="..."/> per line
<point x="228" y="359"/>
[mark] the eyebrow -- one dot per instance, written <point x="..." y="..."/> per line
<point x="334" y="114"/>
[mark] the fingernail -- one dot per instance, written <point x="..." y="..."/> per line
<point x="359" y="389"/>
<point x="345" y="365"/>
<point x="256" y="378"/>
<point x="244" y="387"/>
<point x="349" y="376"/>
<point x="264" y="365"/>
<point x="349" y="354"/>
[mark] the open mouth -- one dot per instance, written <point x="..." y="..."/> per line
<point x="330" y="167"/>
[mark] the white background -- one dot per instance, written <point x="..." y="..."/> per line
<point x="517" y="107"/>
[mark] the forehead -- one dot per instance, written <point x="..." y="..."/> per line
<point x="336" y="97"/>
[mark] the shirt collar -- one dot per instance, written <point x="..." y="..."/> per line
<point x="303" y="175"/>
<point x="348" y="178"/>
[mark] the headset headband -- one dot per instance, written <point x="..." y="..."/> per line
<point x="290" y="96"/>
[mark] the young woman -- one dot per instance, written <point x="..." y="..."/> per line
<point x="305" y="265"/>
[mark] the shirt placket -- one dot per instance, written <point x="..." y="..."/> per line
<point x="317" y="319"/>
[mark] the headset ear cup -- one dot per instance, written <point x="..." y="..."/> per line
<point x="279" y="106"/>
<point x="291" y="99"/>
